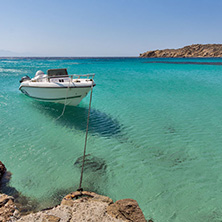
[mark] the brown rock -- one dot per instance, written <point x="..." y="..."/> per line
<point x="127" y="210"/>
<point x="88" y="207"/>
<point x="195" y="51"/>
<point x="51" y="218"/>
<point x="2" y="169"/>
<point x="81" y="210"/>
<point x="82" y="206"/>
<point x="8" y="210"/>
<point x="91" y="196"/>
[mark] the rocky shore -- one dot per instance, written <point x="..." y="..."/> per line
<point x="74" y="207"/>
<point x="191" y="51"/>
<point x="2" y="170"/>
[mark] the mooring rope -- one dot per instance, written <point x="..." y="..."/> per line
<point x="87" y="129"/>
<point x="64" y="107"/>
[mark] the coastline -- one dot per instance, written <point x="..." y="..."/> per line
<point x="190" y="51"/>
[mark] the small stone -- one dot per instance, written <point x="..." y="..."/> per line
<point x="16" y="214"/>
<point x="50" y="218"/>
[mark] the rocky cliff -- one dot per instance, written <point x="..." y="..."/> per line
<point x="191" y="51"/>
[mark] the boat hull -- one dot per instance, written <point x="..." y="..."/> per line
<point x="65" y="95"/>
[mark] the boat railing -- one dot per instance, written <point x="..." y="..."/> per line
<point x="89" y="76"/>
<point x="73" y="76"/>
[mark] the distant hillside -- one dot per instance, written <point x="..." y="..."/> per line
<point x="7" y="53"/>
<point x="196" y="50"/>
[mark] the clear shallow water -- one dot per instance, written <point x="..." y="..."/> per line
<point x="156" y="128"/>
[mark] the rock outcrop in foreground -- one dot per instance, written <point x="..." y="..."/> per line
<point x="88" y="207"/>
<point x="75" y="207"/>
<point x="191" y="51"/>
<point x="8" y="210"/>
<point x="7" y="206"/>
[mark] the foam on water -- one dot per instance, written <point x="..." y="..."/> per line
<point x="155" y="126"/>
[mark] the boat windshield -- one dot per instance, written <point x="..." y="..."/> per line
<point x="57" y="72"/>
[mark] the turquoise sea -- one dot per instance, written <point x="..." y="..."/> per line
<point x="155" y="135"/>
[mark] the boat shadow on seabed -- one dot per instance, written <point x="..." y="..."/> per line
<point x="75" y="117"/>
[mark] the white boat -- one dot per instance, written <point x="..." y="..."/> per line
<point x="57" y="86"/>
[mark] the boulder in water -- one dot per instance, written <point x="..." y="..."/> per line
<point x="91" y="163"/>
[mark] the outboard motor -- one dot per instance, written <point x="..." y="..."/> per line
<point x="24" y="78"/>
<point x="39" y="75"/>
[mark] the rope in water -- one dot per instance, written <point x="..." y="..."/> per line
<point x="84" y="152"/>
<point x="87" y="129"/>
<point x="64" y="107"/>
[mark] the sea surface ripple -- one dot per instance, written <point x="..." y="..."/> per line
<point x="154" y="135"/>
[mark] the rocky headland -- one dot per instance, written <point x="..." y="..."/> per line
<point x="74" y="207"/>
<point x="190" y="51"/>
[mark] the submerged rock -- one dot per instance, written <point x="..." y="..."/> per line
<point x="92" y="163"/>
<point x="94" y="172"/>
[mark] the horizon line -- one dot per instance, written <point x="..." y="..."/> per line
<point x="22" y="57"/>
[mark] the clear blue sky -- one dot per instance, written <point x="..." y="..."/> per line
<point x="106" y="28"/>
